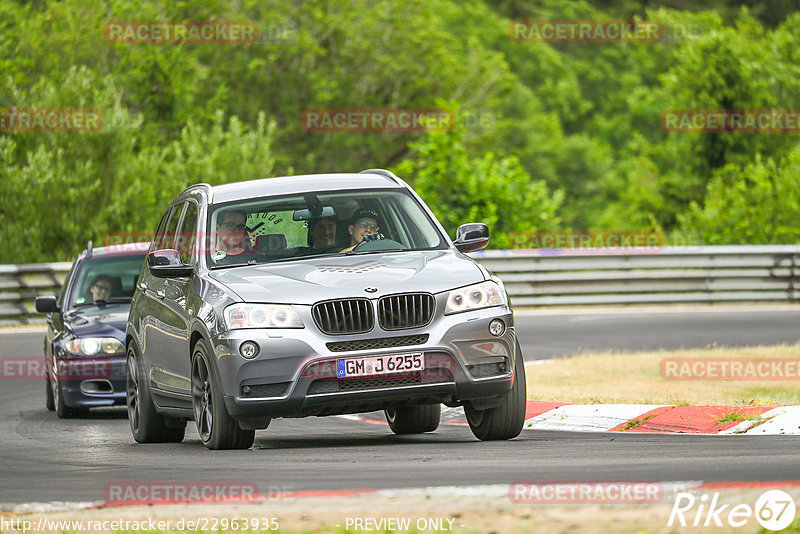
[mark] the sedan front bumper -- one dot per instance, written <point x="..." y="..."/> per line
<point x="91" y="382"/>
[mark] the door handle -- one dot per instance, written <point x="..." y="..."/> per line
<point x="142" y="286"/>
<point x="160" y="293"/>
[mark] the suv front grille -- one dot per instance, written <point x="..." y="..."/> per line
<point x="411" y="310"/>
<point x="379" y="343"/>
<point x="345" y="316"/>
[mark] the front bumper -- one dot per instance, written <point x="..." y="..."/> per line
<point x="91" y="382"/>
<point x="294" y="374"/>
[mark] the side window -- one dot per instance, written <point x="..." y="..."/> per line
<point x="188" y="233"/>
<point x="158" y="238"/>
<point x="169" y="235"/>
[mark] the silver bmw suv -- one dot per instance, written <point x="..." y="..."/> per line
<point x="316" y="295"/>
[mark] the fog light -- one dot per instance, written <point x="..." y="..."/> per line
<point x="497" y="327"/>
<point x="248" y="350"/>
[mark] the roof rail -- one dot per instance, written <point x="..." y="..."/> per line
<point x="382" y="172"/>
<point x="89" y="249"/>
<point x="208" y="188"/>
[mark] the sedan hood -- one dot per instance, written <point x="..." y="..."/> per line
<point x="332" y="277"/>
<point x="94" y="321"/>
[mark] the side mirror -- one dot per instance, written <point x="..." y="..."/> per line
<point x="46" y="304"/>
<point x="167" y="263"/>
<point x="471" y="237"/>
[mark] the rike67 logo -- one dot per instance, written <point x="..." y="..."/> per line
<point x="774" y="510"/>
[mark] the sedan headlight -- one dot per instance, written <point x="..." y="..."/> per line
<point x="474" y="297"/>
<point x="95" y="346"/>
<point x="262" y="316"/>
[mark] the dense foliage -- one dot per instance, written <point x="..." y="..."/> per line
<point x="558" y="135"/>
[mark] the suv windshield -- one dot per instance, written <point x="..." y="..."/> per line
<point x="107" y="279"/>
<point x="274" y="229"/>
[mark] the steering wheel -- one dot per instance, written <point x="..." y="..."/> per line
<point x="377" y="242"/>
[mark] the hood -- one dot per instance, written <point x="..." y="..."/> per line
<point x="95" y="321"/>
<point x="332" y="277"/>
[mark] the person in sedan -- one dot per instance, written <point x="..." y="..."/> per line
<point x="364" y="222"/>
<point x="101" y="288"/>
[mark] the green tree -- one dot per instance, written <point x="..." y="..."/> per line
<point x="492" y="189"/>
<point x="755" y="203"/>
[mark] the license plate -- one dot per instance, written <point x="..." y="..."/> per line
<point x="380" y="365"/>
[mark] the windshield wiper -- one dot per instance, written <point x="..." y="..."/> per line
<point x="303" y="257"/>
<point x="103" y="302"/>
<point x="357" y="252"/>
<point x="226" y="266"/>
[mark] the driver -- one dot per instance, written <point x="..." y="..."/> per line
<point x="363" y="222"/>
<point x="101" y="288"/>
<point x="233" y="238"/>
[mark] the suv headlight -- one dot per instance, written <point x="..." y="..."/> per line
<point x="262" y="316"/>
<point x="474" y="297"/>
<point x="95" y="346"/>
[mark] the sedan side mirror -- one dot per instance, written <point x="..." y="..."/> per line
<point x="167" y="263"/>
<point x="471" y="237"/>
<point x="46" y="304"/>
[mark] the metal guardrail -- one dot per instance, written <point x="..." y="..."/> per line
<point x="557" y="277"/>
<point x="21" y="284"/>
<point x="714" y="274"/>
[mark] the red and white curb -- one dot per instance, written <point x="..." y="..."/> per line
<point x="717" y="420"/>
<point x="651" y="418"/>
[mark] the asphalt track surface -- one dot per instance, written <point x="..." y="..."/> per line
<point x="44" y="459"/>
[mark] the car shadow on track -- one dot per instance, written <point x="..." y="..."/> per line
<point x="111" y="412"/>
<point x="356" y="440"/>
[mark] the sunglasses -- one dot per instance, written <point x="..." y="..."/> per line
<point x="104" y="288"/>
<point x="368" y="226"/>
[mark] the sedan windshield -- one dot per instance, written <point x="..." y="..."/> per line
<point x="106" y="279"/>
<point x="284" y="228"/>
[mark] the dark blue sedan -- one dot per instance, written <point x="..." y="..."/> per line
<point x="85" y="342"/>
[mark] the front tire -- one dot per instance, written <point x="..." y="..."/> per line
<point x="413" y="419"/>
<point x="48" y="399"/>
<point x="506" y="420"/>
<point x="147" y="425"/>
<point x="62" y="410"/>
<point x="217" y="429"/>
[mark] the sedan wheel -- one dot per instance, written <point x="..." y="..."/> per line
<point x="62" y="410"/>
<point x="48" y="392"/>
